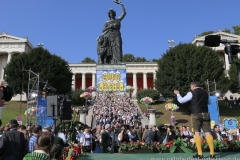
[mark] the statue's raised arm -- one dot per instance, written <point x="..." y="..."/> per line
<point x="123" y="12"/>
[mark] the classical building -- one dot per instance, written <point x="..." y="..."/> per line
<point x="11" y="46"/>
<point x="199" y="41"/>
<point x="138" y="75"/>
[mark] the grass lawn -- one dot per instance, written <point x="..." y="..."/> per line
<point x="183" y="117"/>
<point x="14" y="108"/>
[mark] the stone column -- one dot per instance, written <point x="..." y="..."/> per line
<point x="94" y="80"/>
<point x="152" y="116"/>
<point x="83" y="81"/>
<point x="145" y="81"/>
<point x="74" y="82"/>
<point x="154" y="78"/>
<point x="83" y="116"/>
<point x="94" y="84"/>
<point x="134" y="84"/>
<point x="9" y="57"/>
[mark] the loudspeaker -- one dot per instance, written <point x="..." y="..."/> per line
<point x="52" y="100"/>
<point x="67" y="110"/>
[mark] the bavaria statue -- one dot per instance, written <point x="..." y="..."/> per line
<point x="109" y="44"/>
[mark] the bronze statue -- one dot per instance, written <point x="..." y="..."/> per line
<point x="109" y="44"/>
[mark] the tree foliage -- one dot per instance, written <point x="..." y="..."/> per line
<point x="185" y="63"/>
<point x="88" y="60"/>
<point x="236" y="30"/>
<point x="154" y="94"/>
<point x="140" y="59"/>
<point x="155" y="60"/>
<point x="128" y="57"/>
<point x="51" y="68"/>
<point x="233" y="75"/>
<point x="76" y="99"/>
<point x="206" y="33"/>
<point x="227" y="30"/>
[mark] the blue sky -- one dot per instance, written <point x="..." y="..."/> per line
<point x="69" y="28"/>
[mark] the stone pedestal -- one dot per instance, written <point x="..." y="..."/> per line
<point x="152" y="116"/>
<point x="83" y="113"/>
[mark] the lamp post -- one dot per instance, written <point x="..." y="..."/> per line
<point x="39" y="44"/>
<point x="171" y="42"/>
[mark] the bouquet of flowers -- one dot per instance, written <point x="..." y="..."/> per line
<point x="146" y="100"/>
<point x="86" y="95"/>
<point x="129" y="89"/>
<point x="31" y="111"/>
<point x="72" y="153"/>
<point x="91" y="89"/>
<point x="171" y="107"/>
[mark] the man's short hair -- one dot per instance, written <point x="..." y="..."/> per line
<point x="195" y="84"/>
<point x="36" y="130"/>
<point x="215" y="126"/>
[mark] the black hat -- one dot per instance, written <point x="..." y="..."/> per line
<point x="14" y="122"/>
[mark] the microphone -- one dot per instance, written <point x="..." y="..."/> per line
<point x="215" y="40"/>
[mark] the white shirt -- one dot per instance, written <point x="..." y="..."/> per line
<point x="61" y="135"/>
<point x="218" y="136"/>
<point x="84" y="141"/>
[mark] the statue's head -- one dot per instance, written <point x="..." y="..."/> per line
<point x="111" y="13"/>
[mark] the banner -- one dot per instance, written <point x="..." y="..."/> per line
<point x="213" y="109"/>
<point x="111" y="79"/>
<point x="41" y="111"/>
<point x="230" y="123"/>
<point x="42" y="118"/>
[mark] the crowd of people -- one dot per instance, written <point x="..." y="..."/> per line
<point x="232" y="103"/>
<point x="117" y="121"/>
<point x="115" y="109"/>
<point x="18" y="142"/>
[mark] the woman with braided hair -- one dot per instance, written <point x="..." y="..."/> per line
<point x="43" y="147"/>
<point x="56" y="152"/>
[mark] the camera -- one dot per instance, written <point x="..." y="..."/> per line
<point x="230" y="49"/>
<point x="49" y="89"/>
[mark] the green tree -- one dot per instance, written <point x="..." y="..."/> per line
<point x="233" y="75"/>
<point x="76" y="99"/>
<point x="141" y="59"/>
<point x="154" y="94"/>
<point x="185" y="63"/>
<point x="88" y="60"/>
<point x="51" y="68"/>
<point x="236" y="30"/>
<point x="155" y="60"/>
<point x="128" y="57"/>
<point x="227" y="30"/>
<point x="206" y="33"/>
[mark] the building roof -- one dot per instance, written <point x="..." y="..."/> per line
<point x="223" y="35"/>
<point x="6" y="38"/>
